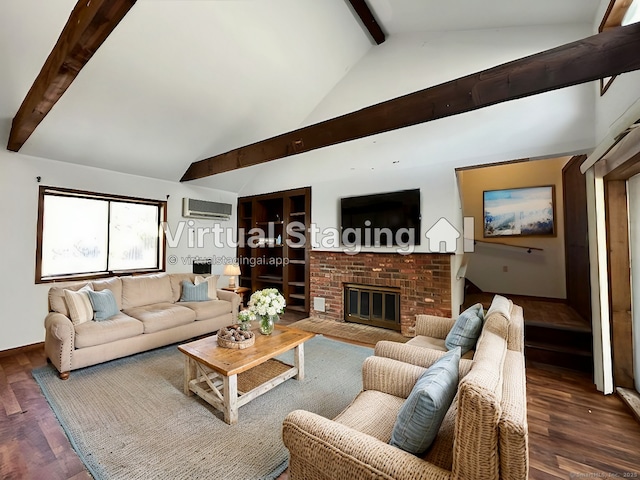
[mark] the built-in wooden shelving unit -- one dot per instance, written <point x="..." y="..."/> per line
<point x="277" y="257"/>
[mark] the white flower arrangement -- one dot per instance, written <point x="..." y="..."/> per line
<point x="267" y="302"/>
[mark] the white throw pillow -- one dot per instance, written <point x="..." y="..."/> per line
<point x="212" y="280"/>
<point x="79" y="305"/>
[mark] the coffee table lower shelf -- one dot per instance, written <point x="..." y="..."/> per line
<point x="221" y="392"/>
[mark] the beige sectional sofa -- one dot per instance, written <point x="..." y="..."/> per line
<point x="150" y="315"/>
<point x="484" y="435"/>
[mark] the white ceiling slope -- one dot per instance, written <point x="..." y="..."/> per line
<point x="182" y="80"/>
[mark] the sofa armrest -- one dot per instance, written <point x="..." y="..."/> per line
<point x="59" y="342"/>
<point x="232" y="297"/>
<point x="414" y="355"/>
<point x="323" y="449"/>
<point x="390" y="376"/>
<point x="432" y="326"/>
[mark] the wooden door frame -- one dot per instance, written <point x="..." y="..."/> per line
<point x="619" y="267"/>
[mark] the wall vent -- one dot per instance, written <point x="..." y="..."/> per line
<point x="192" y="208"/>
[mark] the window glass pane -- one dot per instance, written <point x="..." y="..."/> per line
<point x="133" y="236"/>
<point x="74" y="235"/>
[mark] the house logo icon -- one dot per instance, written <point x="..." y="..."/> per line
<point x="443" y="237"/>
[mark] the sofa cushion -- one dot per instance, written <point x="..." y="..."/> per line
<point x="424" y="410"/>
<point x="466" y="329"/>
<point x="434" y="344"/>
<point x="194" y="293"/>
<point x="115" y="328"/>
<point x="208" y="309"/>
<point x="212" y="285"/>
<point x="104" y="304"/>
<point x="114" y="284"/>
<point x="176" y="284"/>
<point x="161" y="316"/>
<point x="79" y="305"/>
<point x="146" y="290"/>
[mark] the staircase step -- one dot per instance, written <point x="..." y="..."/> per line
<point x="567" y="357"/>
<point x="559" y="337"/>
<point x="568" y="346"/>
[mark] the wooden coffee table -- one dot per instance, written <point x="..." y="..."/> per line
<point x="211" y="371"/>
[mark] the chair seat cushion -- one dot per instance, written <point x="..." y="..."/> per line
<point x="421" y="415"/>
<point x="161" y="316"/>
<point x="373" y="413"/>
<point x="89" y="334"/>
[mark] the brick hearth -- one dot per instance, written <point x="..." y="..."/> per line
<point x="424" y="280"/>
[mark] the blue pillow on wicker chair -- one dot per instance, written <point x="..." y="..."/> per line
<point x="422" y="413"/>
<point x="466" y="329"/>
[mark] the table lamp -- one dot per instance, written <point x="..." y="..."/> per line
<point x="231" y="270"/>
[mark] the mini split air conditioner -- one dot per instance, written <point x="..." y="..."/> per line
<point x="192" y="208"/>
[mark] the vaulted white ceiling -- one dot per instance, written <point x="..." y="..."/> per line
<point x="182" y="80"/>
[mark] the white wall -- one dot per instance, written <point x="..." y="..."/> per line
<point x="540" y="273"/>
<point x="623" y="92"/>
<point x="425" y="156"/>
<point x="24" y="304"/>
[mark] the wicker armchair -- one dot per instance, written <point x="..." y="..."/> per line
<point x="483" y="435"/>
<point x="431" y="331"/>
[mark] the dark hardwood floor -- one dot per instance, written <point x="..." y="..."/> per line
<point x="573" y="429"/>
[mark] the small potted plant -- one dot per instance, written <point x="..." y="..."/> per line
<point x="245" y="317"/>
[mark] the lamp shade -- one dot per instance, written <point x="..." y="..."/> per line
<point x="231" y="270"/>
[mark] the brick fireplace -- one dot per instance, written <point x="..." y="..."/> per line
<point x="424" y="280"/>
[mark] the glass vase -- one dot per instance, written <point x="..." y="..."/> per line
<point x="245" y="326"/>
<point x="267" y="323"/>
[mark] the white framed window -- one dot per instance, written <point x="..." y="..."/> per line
<point x="88" y="235"/>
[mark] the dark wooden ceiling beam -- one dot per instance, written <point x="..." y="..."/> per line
<point x="89" y="25"/>
<point x="602" y="55"/>
<point x="368" y="20"/>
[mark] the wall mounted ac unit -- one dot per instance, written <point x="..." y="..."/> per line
<point x="192" y="208"/>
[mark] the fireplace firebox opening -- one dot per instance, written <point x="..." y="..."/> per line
<point x="372" y="305"/>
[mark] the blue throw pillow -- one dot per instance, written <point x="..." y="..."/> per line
<point x="103" y="303"/>
<point x="466" y="329"/>
<point x="194" y="293"/>
<point x="422" y="413"/>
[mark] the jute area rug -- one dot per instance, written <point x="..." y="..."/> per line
<point x="129" y="418"/>
<point x="349" y="331"/>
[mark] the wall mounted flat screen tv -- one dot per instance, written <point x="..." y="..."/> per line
<point x="399" y="212"/>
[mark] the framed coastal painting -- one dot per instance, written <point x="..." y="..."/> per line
<point x="519" y="212"/>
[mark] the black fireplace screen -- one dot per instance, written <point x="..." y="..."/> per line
<point x="372" y="305"/>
